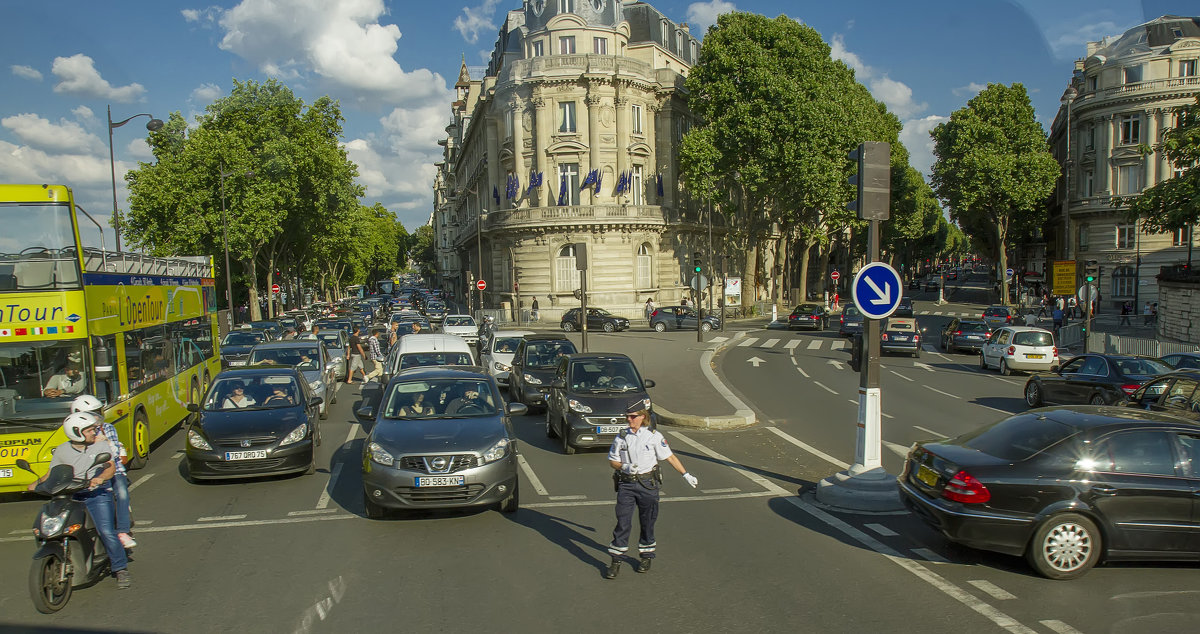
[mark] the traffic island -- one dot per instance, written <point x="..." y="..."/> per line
<point x="859" y="489"/>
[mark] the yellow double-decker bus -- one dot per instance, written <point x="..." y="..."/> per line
<point x="138" y="332"/>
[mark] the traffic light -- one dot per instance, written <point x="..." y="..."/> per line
<point x="696" y="266"/>
<point x="1091" y="270"/>
<point x="873" y="180"/>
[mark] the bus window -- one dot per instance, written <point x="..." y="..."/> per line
<point x="39" y="379"/>
<point x="37" y="256"/>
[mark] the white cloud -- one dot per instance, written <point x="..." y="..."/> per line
<point x="84" y="114"/>
<point x="476" y="19"/>
<point x="41" y="134"/>
<point x="701" y="15"/>
<point x="26" y="72"/>
<point x="206" y="16"/>
<point x="970" y="90"/>
<point x="895" y="94"/>
<point x="78" y="76"/>
<point x="915" y="137"/>
<point x="206" y="93"/>
<point x="138" y="149"/>
<point x="1071" y="39"/>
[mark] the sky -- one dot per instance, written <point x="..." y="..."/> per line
<point x="391" y="64"/>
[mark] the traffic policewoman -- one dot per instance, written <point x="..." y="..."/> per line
<point x="635" y="454"/>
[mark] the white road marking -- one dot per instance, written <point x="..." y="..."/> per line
<point x="899" y="450"/>
<point x="815" y="344"/>
<point x="718" y="339"/>
<point x="711" y="491"/>
<point x="21" y="531"/>
<point x="837" y="344"/>
<point x="924" y="312"/>
<point x="134" y="485"/>
<point x="795" y="361"/>
<point x="769" y="343"/>
<point x="882" y="530"/>
<point x="836" y="364"/>
<point x="998" y="593"/>
<point x="312" y="511"/>
<point x="554" y="498"/>
<point x="323" y="501"/>
<point x="791" y="344"/>
<point x="1059" y="627"/>
<point x="802" y="372"/>
<point x="749" y="341"/>
<point x="930" y="431"/>
<point x="994" y="409"/>
<point x="940" y="312"/>
<point x="887" y="415"/>
<point x="929" y="555"/>
<point x="827" y="388"/>
<point x="177" y="455"/>
<point x="220" y="518"/>
<point x="900" y="375"/>
<point x="923" y="366"/>
<point x="939" y="391"/>
<point x="533" y="479"/>
<point x="755" y="361"/>
<point x="809" y="448"/>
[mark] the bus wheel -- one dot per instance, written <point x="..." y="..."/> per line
<point x="140" y="450"/>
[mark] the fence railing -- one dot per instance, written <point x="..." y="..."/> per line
<point x="1117" y="344"/>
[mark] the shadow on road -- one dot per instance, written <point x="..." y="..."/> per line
<point x="566" y="534"/>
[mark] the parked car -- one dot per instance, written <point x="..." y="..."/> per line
<point x="254" y="421"/>
<point x="309" y="357"/>
<point x="597" y="319"/>
<point x="1066" y="487"/>
<point x="1175" y="394"/>
<point x="851" y="321"/>
<point x="236" y="346"/>
<point x="496" y="357"/>
<point x="1182" y="360"/>
<point x="997" y="316"/>
<point x="812" y="316"/>
<point x="588" y="398"/>
<point x="533" y="368"/>
<point x="1019" y="348"/>
<point x="1095" y="379"/>
<point x="679" y="318"/>
<point x="441" y="438"/>
<point x="965" y="334"/>
<point x="462" y="325"/>
<point x="900" y="334"/>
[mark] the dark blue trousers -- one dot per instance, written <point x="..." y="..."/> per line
<point x="630" y="495"/>
<point x="100" y="507"/>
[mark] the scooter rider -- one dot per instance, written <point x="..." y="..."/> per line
<point x="120" y="482"/>
<point x="80" y="452"/>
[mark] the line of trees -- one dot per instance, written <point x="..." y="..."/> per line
<point x="291" y="204"/>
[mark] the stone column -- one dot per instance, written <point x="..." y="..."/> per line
<point x="541" y="140"/>
<point x="1153" y="167"/>
<point x="1104" y="177"/>
<point x="661" y="158"/>
<point x="517" y="107"/>
<point x="592" y="100"/>
<point x="620" y="103"/>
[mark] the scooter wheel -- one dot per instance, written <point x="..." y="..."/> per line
<point x="49" y="588"/>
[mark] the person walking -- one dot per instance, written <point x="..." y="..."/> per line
<point x="1057" y="316"/>
<point x="1126" y="311"/>
<point x="533" y="309"/>
<point x="834" y="303"/>
<point x="1147" y="314"/>
<point x="376" y="356"/>
<point x="1042" y="308"/>
<point x="634" y="456"/>
<point x="355" y="355"/>
<point x="648" y="309"/>
<point x="1072" y="306"/>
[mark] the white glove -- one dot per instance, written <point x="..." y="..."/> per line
<point x="628" y="468"/>
<point x="691" y="479"/>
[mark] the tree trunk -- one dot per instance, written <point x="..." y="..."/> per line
<point x="805" y="249"/>
<point x="781" y="254"/>
<point x="252" y="289"/>
<point x="750" y="273"/>
<point x="1002" y="258"/>
<point x="823" y="265"/>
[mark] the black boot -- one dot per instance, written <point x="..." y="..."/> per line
<point x="613" y="569"/>
<point x="644" y="565"/>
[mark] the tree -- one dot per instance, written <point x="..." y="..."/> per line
<point x="422" y="251"/>
<point x="1173" y="203"/>
<point x="994" y="168"/>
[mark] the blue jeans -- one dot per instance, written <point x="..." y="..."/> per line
<point x="100" y="507"/>
<point x="121" y="499"/>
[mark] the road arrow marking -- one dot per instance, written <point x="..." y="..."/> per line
<point x="755" y="361"/>
<point x="836" y="364"/>
<point x="885" y="295"/>
<point x="918" y="364"/>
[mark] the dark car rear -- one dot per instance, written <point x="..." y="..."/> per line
<point x="811" y="316"/>
<point x="533" y="368"/>
<point x="965" y="334"/>
<point x="851" y="322"/>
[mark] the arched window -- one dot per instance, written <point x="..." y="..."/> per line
<point x="566" y="276"/>
<point x="1124" y="281"/>
<point x="644" y="260"/>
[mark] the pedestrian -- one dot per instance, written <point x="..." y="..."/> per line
<point x="1147" y="314"/>
<point x="312" y="334"/>
<point x="393" y="334"/>
<point x="376" y="356"/>
<point x="1057" y="316"/>
<point x="533" y="309"/>
<point x="1042" y="307"/>
<point x="834" y="303"/>
<point x="1154" y="313"/>
<point x="1072" y="306"/>
<point x="635" y="454"/>
<point x="355" y="355"/>
<point x="683" y="302"/>
<point x="649" y="308"/>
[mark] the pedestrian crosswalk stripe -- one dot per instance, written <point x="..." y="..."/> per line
<point x="814" y="344"/>
<point x="792" y="344"/>
<point x="938" y="312"/>
<point x="837" y="344"/>
<point x="748" y="342"/>
<point x="769" y="343"/>
<point x="719" y="339"/>
<point x="924" y="312"/>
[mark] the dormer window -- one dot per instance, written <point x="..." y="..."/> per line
<point x="1092" y="83"/>
<point x="679" y="43"/>
<point x="666" y="33"/>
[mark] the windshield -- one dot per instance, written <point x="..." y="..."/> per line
<point x="604" y="375"/>
<point x="1145" y="367"/>
<point x="288" y="322"/>
<point x="545" y="355"/>
<point x="851" y="311"/>
<point x="418" y="359"/>
<point x="257" y="392"/>
<point x="38" y="380"/>
<point x="330" y="339"/>
<point x="1033" y="339"/>
<point x="439" y="398"/>
<point x="243" y="338"/>
<point x="37" y="248"/>
<point x="507" y="345"/>
<point x="302" y="358"/>
<point x="459" y="321"/>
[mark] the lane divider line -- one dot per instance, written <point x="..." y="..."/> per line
<point x="882" y="530"/>
<point x="556" y="498"/>
<point x="323" y="501"/>
<point x="827" y="388"/>
<point x="136" y="484"/>
<point x="802" y="372"/>
<point x="996" y="592"/>
<point x="930" y="556"/>
<point x="312" y="511"/>
<point x="1059" y="626"/>
<point x="901" y="376"/>
<point x="930" y="431"/>
<point x="221" y="518"/>
<point x="809" y="448"/>
<point x="930" y="387"/>
<point x="712" y="491"/>
<point x="533" y="479"/>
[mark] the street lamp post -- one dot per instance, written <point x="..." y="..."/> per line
<point x="479" y="247"/>
<point x="153" y="125"/>
<point x="225" y="240"/>
<point x="1067" y="99"/>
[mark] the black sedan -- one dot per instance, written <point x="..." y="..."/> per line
<point x="812" y="316"/>
<point x="236" y="346"/>
<point x="680" y="318"/>
<point x="589" y="396"/>
<point x="1177" y="394"/>
<point x="1183" y="360"/>
<point x="1065" y="487"/>
<point x="253" y="422"/>
<point x="965" y="334"/>
<point x="1095" y="379"/>
<point x="597" y="319"/>
<point x="851" y="322"/>
<point x="441" y="438"/>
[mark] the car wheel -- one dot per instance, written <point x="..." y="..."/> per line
<point x="513" y="501"/>
<point x="550" y="433"/>
<point x="1097" y="399"/>
<point x="371" y="509"/>
<point x="1064" y="547"/>
<point x="609" y="327"/>
<point x="982" y="361"/>
<point x="1004" y="369"/>
<point x="706" y="327"/>
<point x="566" y="440"/>
<point x="568" y="326"/>
<point x="660" y="326"/>
<point x="1033" y="394"/>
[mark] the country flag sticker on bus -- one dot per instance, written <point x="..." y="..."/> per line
<point x="5" y="332"/>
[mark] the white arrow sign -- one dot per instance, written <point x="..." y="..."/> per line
<point x="836" y="364"/>
<point x="918" y="364"/>
<point x="885" y="295"/>
<point x="755" y="361"/>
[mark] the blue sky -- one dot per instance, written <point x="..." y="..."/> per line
<point x="391" y="64"/>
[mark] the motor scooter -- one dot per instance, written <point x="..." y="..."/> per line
<point x="70" y="553"/>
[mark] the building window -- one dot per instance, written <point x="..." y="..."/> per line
<point x="679" y="43"/>
<point x="566" y="45"/>
<point x="566" y="6"/>
<point x="1179" y="237"/>
<point x="1133" y="74"/>
<point x="1089" y="137"/>
<point x="566" y="116"/>
<point x="636" y="185"/>
<point x="509" y="122"/>
<point x="1124" y="280"/>
<point x="643" y="267"/>
<point x="693" y="53"/>
<point x="1129" y="179"/>
<point x="1125" y="236"/>
<point x="1082" y="243"/>
<point x="570" y="171"/>
<point x="1092" y="83"/>
<point x="566" y="276"/>
<point x="538" y="49"/>
<point x="600" y="45"/>
<point x="1177" y="172"/>
<point x="1089" y="181"/>
<point x="1187" y="68"/>
<point x="1131" y="129"/>
<point x="636" y="115"/>
<point x="666" y="34"/>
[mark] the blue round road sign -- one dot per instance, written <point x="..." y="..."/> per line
<point x="876" y="290"/>
<point x="1008" y="272"/>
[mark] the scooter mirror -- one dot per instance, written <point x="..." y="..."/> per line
<point x="102" y="458"/>
<point x="24" y="464"/>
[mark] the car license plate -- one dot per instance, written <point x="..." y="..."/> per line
<point x="440" y="481"/>
<point x="901" y="338"/>
<point x="6" y="473"/>
<point x="233" y="363"/>
<point x="927" y="475"/>
<point x="246" y="455"/>
<point x="609" y="429"/>
<point x="1034" y="356"/>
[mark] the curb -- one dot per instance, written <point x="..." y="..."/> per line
<point x="742" y="417"/>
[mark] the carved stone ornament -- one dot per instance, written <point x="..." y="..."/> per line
<point x="607" y="116"/>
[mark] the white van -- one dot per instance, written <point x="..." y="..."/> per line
<point x="418" y="350"/>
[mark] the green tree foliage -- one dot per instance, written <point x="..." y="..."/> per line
<point x="1173" y="203"/>
<point x="994" y="169"/>
<point x="422" y="250"/>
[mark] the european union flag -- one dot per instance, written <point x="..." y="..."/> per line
<point x="496" y="194"/>
<point x="660" y="189"/>
<point x="562" y="191"/>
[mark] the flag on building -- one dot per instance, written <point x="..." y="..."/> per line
<point x="496" y="194"/>
<point x="599" y="177"/>
<point x="562" y="191"/>
<point x="589" y="180"/>
<point x="659" y="185"/>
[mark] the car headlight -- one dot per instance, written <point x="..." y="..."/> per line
<point x="576" y="406"/>
<point x="379" y="455"/>
<point x="198" y="441"/>
<point x="500" y="367"/>
<point x="297" y="435"/>
<point x="497" y="451"/>
<point x="52" y="525"/>
<point x="532" y="380"/>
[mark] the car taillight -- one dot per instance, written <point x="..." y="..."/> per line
<point x="1008" y="319"/>
<point x="1055" y="352"/>
<point x="1012" y="350"/>
<point x="655" y="313"/>
<point x="885" y="336"/>
<point x="916" y="337"/>
<point x="963" y="487"/>
<point x="1131" y="388"/>
<point x="843" y="319"/>
<point x="957" y="333"/>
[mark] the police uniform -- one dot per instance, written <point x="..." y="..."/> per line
<point x="642" y="449"/>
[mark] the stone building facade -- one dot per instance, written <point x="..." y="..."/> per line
<point x="576" y="91"/>
<point x="1120" y="102"/>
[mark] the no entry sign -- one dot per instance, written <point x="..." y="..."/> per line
<point x="481" y="284"/>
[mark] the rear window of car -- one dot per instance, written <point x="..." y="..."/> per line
<point x="973" y="327"/>
<point x="1017" y="438"/>
<point x="418" y="359"/>
<point x="1033" y="339"/>
<point x="850" y="311"/>
<point x="995" y="312"/>
<point x="1142" y="366"/>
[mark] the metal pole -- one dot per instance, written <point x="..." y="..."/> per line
<point x="1087" y="306"/>
<point x="867" y="452"/>
<point x="1137" y="271"/>
<point x="479" y="246"/>
<point x="583" y="308"/>
<point x="709" y="268"/>
<point x="112" y="164"/>
<point x="225" y="241"/>
<point x="1067" y="188"/>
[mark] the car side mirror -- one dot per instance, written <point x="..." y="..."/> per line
<point x="517" y="409"/>
<point x="193" y="407"/>
<point x="24" y="465"/>
<point x="365" y="412"/>
<point x="648" y="382"/>
<point x="559" y="383"/>
<point x="316" y="400"/>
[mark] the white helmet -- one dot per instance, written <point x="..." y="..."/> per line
<point x="74" y="424"/>
<point x="86" y="403"/>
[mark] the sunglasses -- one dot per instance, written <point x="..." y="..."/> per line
<point x="633" y="415"/>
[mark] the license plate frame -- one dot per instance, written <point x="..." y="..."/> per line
<point x="1034" y="356"/>
<point x="6" y="473"/>
<point x="927" y="475"/>
<point x="609" y="429"/>
<point x="235" y="363"/>
<point x="253" y="454"/>
<point x="425" y="482"/>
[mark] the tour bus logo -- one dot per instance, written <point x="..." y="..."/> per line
<point x="73" y="318"/>
<point x="33" y="440"/>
